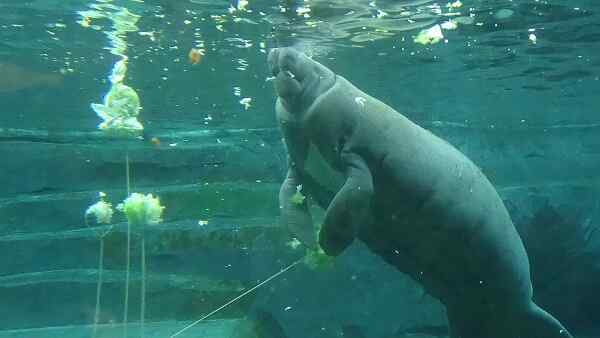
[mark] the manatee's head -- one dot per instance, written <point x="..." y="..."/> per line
<point x="299" y="80"/>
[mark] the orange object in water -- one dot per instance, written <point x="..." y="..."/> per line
<point x="155" y="141"/>
<point x="195" y="55"/>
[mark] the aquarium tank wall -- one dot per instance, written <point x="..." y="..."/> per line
<point x="156" y="177"/>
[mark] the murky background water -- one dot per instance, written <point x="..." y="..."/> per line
<point x="512" y="84"/>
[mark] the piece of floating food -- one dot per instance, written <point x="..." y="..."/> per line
<point x="238" y="5"/>
<point x="86" y="21"/>
<point x="298" y="198"/>
<point x="430" y="36"/>
<point x="532" y="38"/>
<point x="101" y="210"/>
<point x="119" y="111"/>
<point x="449" y="25"/>
<point x="155" y="141"/>
<point x="246" y="102"/>
<point x="142" y="209"/>
<point x="195" y="56"/>
<point x="455" y="4"/>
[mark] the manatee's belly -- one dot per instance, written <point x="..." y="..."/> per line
<point x="321" y="171"/>
<point x="447" y="262"/>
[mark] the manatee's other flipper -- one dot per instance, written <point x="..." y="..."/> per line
<point x="295" y="213"/>
<point x="537" y="323"/>
<point x="350" y="208"/>
<point x="534" y="322"/>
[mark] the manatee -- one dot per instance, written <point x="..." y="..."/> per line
<point x="411" y="197"/>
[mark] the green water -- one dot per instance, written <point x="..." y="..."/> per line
<point x="515" y="86"/>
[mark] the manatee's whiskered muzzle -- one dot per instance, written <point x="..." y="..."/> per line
<point x="286" y="85"/>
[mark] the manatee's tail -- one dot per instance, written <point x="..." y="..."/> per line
<point x="537" y="323"/>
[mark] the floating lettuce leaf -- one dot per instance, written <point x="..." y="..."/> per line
<point x="101" y="210"/>
<point x="125" y="21"/>
<point x="123" y="100"/>
<point x="122" y="127"/>
<point x="318" y="259"/>
<point x="142" y="209"/>
<point x="431" y="36"/>
<point x="119" y="71"/>
<point x="119" y="111"/>
<point x="298" y="197"/>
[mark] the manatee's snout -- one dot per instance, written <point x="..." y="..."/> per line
<point x="288" y="60"/>
<point x="298" y="78"/>
<point x="283" y="65"/>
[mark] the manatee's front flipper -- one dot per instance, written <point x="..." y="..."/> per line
<point x="295" y="215"/>
<point x="350" y="207"/>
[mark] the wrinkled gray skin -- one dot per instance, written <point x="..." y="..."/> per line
<point x="411" y="197"/>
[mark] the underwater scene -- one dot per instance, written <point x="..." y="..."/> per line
<point x="300" y="168"/>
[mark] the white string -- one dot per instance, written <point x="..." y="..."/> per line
<point x="235" y="299"/>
